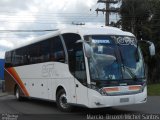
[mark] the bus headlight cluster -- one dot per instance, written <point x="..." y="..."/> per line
<point x="101" y="91"/>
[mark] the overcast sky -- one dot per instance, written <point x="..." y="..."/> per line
<point x="40" y="15"/>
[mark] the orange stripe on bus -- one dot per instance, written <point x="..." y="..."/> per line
<point x="13" y="72"/>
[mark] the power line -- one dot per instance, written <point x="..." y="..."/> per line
<point x="28" y="30"/>
<point x="13" y="12"/>
<point x="52" y="20"/>
<point x="47" y="18"/>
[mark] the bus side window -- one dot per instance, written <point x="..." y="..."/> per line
<point x="8" y="59"/>
<point x="56" y="50"/>
<point x="75" y="56"/>
<point x="70" y="40"/>
<point x="80" y="71"/>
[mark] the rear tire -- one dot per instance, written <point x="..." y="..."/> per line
<point x="17" y="94"/>
<point x="61" y="101"/>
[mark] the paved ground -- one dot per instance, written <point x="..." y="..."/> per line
<point x="2" y="93"/>
<point x="40" y="110"/>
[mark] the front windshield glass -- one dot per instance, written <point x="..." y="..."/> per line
<point x="131" y="56"/>
<point x="114" y="58"/>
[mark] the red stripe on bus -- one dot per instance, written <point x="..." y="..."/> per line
<point x="13" y="72"/>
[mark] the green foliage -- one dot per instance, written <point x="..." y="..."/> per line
<point x="154" y="90"/>
<point x="134" y="14"/>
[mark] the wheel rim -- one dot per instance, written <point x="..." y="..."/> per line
<point x="17" y="94"/>
<point x="63" y="101"/>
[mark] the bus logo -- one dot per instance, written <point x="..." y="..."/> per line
<point x="48" y="70"/>
<point x="126" y="41"/>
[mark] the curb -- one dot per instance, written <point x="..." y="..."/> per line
<point x="3" y="94"/>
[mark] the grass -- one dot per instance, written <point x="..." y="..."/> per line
<point x="154" y="89"/>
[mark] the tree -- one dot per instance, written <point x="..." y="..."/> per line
<point x="134" y="14"/>
<point x="142" y="18"/>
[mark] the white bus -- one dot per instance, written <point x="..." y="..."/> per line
<point x="90" y="66"/>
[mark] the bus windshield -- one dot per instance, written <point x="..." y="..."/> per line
<point x="114" y="58"/>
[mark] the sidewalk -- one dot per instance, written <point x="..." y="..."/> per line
<point x="3" y="94"/>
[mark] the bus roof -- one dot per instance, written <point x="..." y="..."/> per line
<point x="82" y="30"/>
<point x="95" y="30"/>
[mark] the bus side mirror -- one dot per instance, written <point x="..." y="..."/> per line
<point x="150" y="45"/>
<point x="151" y="48"/>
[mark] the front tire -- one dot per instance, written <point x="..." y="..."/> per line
<point x="61" y="101"/>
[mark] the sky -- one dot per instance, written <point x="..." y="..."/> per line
<point x="42" y="15"/>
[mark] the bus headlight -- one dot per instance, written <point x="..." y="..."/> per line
<point x="102" y="92"/>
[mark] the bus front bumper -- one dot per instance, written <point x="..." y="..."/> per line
<point x="99" y="101"/>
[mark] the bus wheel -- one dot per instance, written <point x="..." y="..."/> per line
<point x="17" y="94"/>
<point x="61" y="100"/>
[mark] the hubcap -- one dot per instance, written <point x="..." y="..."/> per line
<point x="63" y="101"/>
<point x="17" y="94"/>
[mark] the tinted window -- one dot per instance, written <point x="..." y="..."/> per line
<point x="17" y="57"/>
<point x="70" y="40"/>
<point x="75" y="57"/>
<point x="80" y="71"/>
<point x="8" y="59"/>
<point x="57" y="50"/>
<point x="48" y="50"/>
<point x="43" y="51"/>
<point x="34" y="53"/>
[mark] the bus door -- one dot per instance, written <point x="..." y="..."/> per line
<point x="77" y="66"/>
<point x="80" y="78"/>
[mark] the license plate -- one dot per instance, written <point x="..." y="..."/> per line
<point x="122" y="100"/>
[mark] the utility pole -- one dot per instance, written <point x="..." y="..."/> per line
<point x="107" y="10"/>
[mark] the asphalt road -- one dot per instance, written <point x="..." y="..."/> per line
<point x="42" y="110"/>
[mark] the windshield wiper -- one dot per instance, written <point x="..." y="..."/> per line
<point x="126" y="68"/>
<point x="130" y="72"/>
